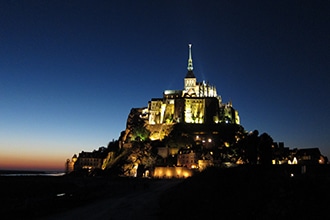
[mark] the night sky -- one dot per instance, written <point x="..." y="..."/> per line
<point x="72" y="70"/>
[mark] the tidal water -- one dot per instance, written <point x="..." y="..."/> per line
<point x="30" y="173"/>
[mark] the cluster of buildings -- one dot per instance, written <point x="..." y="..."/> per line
<point x="197" y="104"/>
<point x="95" y="160"/>
<point x="188" y="160"/>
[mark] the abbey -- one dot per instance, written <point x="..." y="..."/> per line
<point x="184" y="131"/>
<point x="197" y="103"/>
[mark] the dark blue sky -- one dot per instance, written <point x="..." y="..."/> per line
<point x="72" y="70"/>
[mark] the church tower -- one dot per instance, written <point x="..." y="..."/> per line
<point x="190" y="79"/>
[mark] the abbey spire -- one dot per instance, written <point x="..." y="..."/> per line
<point x="190" y="73"/>
<point x="190" y="64"/>
<point x="190" y="79"/>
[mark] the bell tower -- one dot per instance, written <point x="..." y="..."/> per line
<point x="190" y="79"/>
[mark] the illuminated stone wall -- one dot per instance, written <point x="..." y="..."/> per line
<point x="237" y="119"/>
<point x="169" y="111"/>
<point x="155" y="107"/>
<point x="230" y="114"/>
<point x="172" y="172"/>
<point x="206" y="110"/>
<point x="194" y="110"/>
<point x="159" y="131"/>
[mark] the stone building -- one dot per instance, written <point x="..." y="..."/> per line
<point x="91" y="160"/>
<point x="188" y="157"/>
<point x="197" y="103"/>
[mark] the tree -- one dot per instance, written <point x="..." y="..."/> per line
<point x="251" y="147"/>
<point x="139" y="133"/>
<point x="138" y="158"/>
<point x="265" y="149"/>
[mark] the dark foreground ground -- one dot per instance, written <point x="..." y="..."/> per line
<point x="43" y="197"/>
<point x="278" y="192"/>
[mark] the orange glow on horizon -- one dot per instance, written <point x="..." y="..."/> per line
<point x="20" y="162"/>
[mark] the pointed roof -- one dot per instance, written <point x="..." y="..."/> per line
<point x="190" y="73"/>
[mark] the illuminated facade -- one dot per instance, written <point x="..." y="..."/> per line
<point x="91" y="160"/>
<point x="87" y="160"/>
<point x="197" y="103"/>
<point x="187" y="158"/>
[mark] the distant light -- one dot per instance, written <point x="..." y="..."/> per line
<point x="291" y="175"/>
<point x="294" y="161"/>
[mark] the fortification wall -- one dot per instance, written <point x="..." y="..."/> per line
<point x="172" y="172"/>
